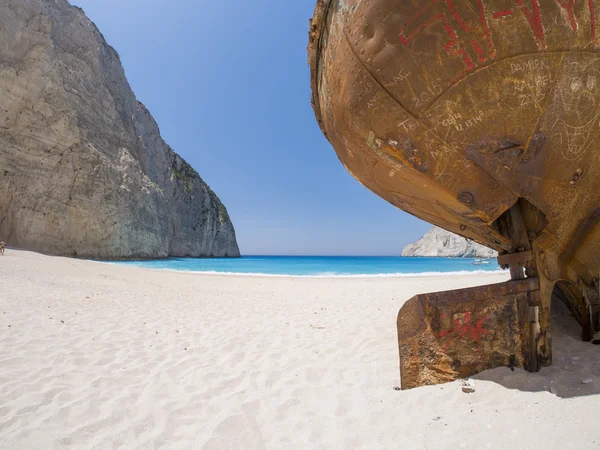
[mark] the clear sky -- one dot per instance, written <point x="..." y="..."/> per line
<point x="228" y="83"/>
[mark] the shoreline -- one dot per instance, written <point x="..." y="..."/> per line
<point x="397" y="275"/>
<point x="326" y="274"/>
<point x="480" y="276"/>
<point x="402" y="275"/>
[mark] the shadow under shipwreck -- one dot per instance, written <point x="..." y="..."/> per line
<point x="575" y="369"/>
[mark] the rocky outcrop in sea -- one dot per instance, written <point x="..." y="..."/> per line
<point x="83" y="168"/>
<point x="442" y="243"/>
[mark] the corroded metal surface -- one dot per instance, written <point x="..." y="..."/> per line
<point x="468" y="113"/>
<point x="446" y="335"/>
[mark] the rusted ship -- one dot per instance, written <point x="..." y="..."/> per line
<point x="481" y="117"/>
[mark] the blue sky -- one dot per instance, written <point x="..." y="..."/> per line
<point x="228" y="84"/>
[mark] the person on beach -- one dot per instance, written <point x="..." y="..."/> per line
<point x="2" y="245"/>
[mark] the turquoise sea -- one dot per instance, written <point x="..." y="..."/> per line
<point x="321" y="265"/>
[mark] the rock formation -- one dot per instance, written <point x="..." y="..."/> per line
<point x="83" y="168"/>
<point x="439" y="242"/>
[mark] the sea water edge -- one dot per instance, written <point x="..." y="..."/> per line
<point x="321" y="266"/>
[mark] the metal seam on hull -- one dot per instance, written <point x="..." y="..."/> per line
<point x="546" y="52"/>
<point x="554" y="182"/>
<point x="540" y="117"/>
<point x="364" y="66"/>
<point x="425" y="125"/>
<point x="479" y="69"/>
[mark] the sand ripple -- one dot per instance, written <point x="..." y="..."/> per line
<point x="105" y="357"/>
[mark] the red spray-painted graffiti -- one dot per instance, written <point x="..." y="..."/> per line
<point x="479" y="36"/>
<point x="504" y="13"/>
<point x="568" y="7"/>
<point x="452" y="46"/>
<point x="463" y="327"/>
<point x="535" y="21"/>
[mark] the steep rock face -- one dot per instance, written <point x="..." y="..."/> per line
<point x="83" y="168"/>
<point x="439" y="242"/>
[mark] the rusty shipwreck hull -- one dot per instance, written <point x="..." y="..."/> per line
<point x="481" y="117"/>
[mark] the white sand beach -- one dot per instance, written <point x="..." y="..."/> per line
<point x="104" y="356"/>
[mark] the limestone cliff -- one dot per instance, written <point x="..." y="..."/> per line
<point x="83" y="168"/>
<point x="439" y="242"/>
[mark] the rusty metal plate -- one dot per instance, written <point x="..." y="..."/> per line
<point x="443" y="336"/>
